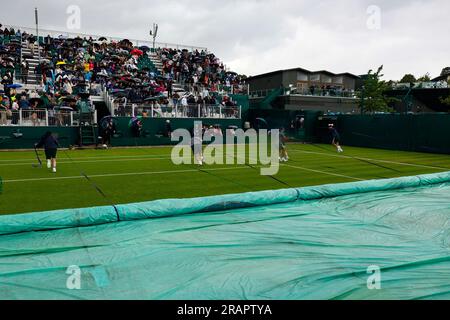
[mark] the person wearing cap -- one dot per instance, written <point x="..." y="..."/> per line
<point x="168" y="132"/>
<point x="336" y="137"/>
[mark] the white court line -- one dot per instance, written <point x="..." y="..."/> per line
<point x="31" y="160"/>
<point x="323" y="172"/>
<point x="318" y="171"/>
<point x="91" y="161"/>
<point x="100" y="157"/>
<point x="169" y="171"/>
<point x="220" y="169"/>
<point x="374" y="160"/>
<point x="162" y="155"/>
<point x="121" y="174"/>
<point x="105" y="159"/>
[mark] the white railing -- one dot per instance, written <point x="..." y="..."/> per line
<point x="222" y="89"/>
<point x="41" y="118"/>
<point x="316" y="92"/>
<point x="122" y="109"/>
<point x="188" y="111"/>
<point x="422" y="85"/>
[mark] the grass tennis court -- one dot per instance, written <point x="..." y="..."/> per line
<point x="143" y="174"/>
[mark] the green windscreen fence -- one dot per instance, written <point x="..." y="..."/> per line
<point x="153" y="131"/>
<point x="277" y="119"/>
<point x="380" y="239"/>
<point x="419" y="132"/>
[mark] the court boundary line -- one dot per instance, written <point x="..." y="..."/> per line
<point x="91" y="158"/>
<point x="323" y="172"/>
<point x="153" y="157"/>
<point x="170" y="171"/>
<point x="89" y="161"/>
<point x="370" y="159"/>
<point x="119" y="174"/>
<point x="159" y="157"/>
<point x="319" y="171"/>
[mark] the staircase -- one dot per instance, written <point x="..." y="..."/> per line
<point x="266" y="103"/>
<point x="87" y="130"/>
<point x="176" y="86"/>
<point x="87" y="135"/>
<point x="156" y="61"/>
<point x="33" y="80"/>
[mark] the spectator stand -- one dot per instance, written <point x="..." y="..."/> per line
<point x="52" y="87"/>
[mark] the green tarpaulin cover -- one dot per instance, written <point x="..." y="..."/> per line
<point x="307" y="243"/>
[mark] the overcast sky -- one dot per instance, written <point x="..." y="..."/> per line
<point x="257" y="36"/>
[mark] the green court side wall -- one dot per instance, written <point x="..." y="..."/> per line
<point x="67" y="136"/>
<point x="421" y="133"/>
<point x="153" y="129"/>
<point x="244" y="102"/>
<point x="277" y="118"/>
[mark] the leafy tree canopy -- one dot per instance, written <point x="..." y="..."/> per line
<point x="408" y="78"/>
<point x="372" y="96"/>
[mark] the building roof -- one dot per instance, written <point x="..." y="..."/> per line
<point x="440" y="78"/>
<point x="304" y="70"/>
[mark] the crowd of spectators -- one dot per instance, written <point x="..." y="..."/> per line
<point x="10" y="47"/>
<point x="40" y="108"/>
<point x="72" y="67"/>
<point x="199" y="70"/>
<point x="330" y="90"/>
<point x="201" y="105"/>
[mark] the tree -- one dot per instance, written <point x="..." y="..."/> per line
<point x="390" y="84"/>
<point x="446" y="100"/>
<point x="425" y="78"/>
<point x="408" y="78"/>
<point x="445" y="72"/>
<point x="372" y="95"/>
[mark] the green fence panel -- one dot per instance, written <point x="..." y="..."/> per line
<point x="420" y="132"/>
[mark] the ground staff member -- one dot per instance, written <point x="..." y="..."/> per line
<point x="336" y="138"/>
<point x="284" y="157"/>
<point x="50" y="144"/>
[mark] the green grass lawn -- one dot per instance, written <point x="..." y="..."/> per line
<point x="143" y="174"/>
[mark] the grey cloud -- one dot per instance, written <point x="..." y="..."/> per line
<point x="254" y="36"/>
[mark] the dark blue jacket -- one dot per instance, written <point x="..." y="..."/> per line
<point x="48" y="142"/>
<point x="335" y="134"/>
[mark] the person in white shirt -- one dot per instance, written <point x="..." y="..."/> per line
<point x="184" y="106"/>
<point x="205" y="93"/>
<point x="157" y="110"/>
<point x="67" y="87"/>
<point x="15" y="112"/>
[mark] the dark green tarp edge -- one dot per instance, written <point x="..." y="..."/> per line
<point x="70" y="218"/>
